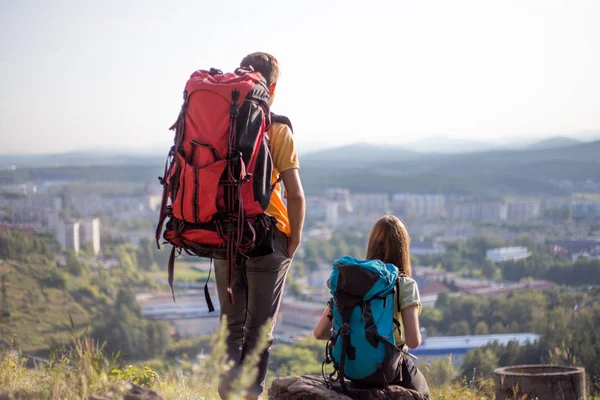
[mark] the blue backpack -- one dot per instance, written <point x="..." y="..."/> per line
<point x="362" y="346"/>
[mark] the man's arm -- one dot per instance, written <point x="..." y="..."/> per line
<point x="296" y="206"/>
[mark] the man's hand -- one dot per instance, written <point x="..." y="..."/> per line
<point x="293" y="245"/>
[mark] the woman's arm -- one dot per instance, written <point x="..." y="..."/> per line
<point x="323" y="329"/>
<point x="410" y="320"/>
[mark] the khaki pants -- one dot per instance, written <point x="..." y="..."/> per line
<point x="257" y="290"/>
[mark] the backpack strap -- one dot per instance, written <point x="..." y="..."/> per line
<point x="281" y="119"/>
<point x="349" y="303"/>
<point x="400" y="276"/>
<point x="345" y="332"/>
<point x="209" y="302"/>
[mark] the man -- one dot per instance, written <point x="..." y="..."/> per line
<point x="258" y="286"/>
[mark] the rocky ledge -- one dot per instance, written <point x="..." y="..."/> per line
<point x="314" y="388"/>
<point x="135" y="393"/>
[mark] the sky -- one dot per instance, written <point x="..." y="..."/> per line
<point x="85" y="74"/>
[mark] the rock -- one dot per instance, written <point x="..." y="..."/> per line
<point x="17" y="396"/>
<point x="142" y="393"/>
<point x="4" y="345"/>
<point x="135" y="393"/>
<point x="314" y="388"/>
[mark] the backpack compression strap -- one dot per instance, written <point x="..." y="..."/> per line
<point x="281" y="119"/>
<point x="345" y="331"/>
<point x="345" y="305"/>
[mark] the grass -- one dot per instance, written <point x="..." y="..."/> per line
<point x="84" y="370"/>
<point x="483" y="390"/>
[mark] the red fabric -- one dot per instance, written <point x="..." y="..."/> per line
<point x="206" y="237"/>
<point x="198" y="170"/>
<point x="211" y="124"/>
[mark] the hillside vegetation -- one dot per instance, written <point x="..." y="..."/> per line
<point x="43" y="296"/>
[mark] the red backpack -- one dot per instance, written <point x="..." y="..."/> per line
<point x="217" y="180"/>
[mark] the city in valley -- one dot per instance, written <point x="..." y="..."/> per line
<point x="464" y="242"/>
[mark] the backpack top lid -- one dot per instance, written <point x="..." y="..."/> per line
<point x="243" y="80"/>
<point x="362" y="278"/>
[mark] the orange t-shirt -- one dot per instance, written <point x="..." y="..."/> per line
<point x="285" y="157"/>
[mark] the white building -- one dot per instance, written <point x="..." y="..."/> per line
<point x="488" y="212"/>
<point x="586" y="209"/>
<point x="37" y="209"/>
<point x="90" y="233"/>
<point x="507" y="254"/>
<point x="316" y="208"/>
<point x="121" y="207"/>
<point x="88" y="204"/>
<point x="67" y="234"/>
<point x="340" y="196"/>
<point x="332" y="214"/>
<point x="419" y="248"/>
<point x="371" y="202"/>
<point x="358" y="220"/>
<point x="25" y="189"/>
<point x="419" y="205"/>
<point x="523" y="210"/>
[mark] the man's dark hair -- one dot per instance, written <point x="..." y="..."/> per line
<point x="264" y="63"/>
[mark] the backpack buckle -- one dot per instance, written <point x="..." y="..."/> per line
<point x="246" y="178"/>
<point x="234" y="110"/>
<point x="230" y="228"/>
<point x="345" y="329"/>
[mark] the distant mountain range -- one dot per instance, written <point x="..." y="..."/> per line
<point x="150" y="154"/>
<point x="449" y="145"/>
<point x="555" y="142"/>
<point x="531" y="169"/>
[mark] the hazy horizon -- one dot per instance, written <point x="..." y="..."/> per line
<point x="109" y="75"/>
<point x="427" y="145"/>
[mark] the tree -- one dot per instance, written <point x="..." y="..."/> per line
<point x="125" y="331"/>
<point x="498" y="327"/>
<point x="145" y="255"/>
<point x="74" y="266"/>
<point x="126" y="300"/>
<point x="490" y="270"/>
<point x="483" y="243"/>
<point x="430" y="318"/>
<point x="340" y="247"/>
<point x="526" y="241"/>
<point x="478" y="363"/>
<point x="439" y="372"/>
<point x="460" y="328"/>
<point x="481" y="328"/>
<point x="304" y="357"/>
<point x="443" y="300"/>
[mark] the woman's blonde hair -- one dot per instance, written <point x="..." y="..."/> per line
<point x="390" y="243"/>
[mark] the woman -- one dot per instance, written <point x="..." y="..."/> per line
<point x="389" y="242"/>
